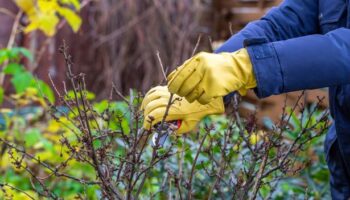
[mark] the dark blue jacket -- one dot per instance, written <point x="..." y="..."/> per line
<point x="305" y="44"/>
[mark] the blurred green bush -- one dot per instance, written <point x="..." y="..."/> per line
<point x="40" y="136"/>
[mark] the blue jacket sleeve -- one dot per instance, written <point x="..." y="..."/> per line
<point x="293" y="18"/>
<point x="307" y="62"/>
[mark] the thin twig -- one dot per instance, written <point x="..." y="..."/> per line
<point x="11" y="42"/>
<point x="189" y="196"/>
<point x="197" y="45"/>
<point x="161" y="65"/>
<point x="258" y="179"/>
<point x="15" y="188"/>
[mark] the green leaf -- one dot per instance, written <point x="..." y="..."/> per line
<point x="100" y="107"/>
<point x="3" y="55"/>
<point x="45" y="90"/>
<point x="48" y="146"/>
<point x="1" y="95"/>
<point x="32" y="136"/>
<point x="13" y="53"/>
<point x="188" y="157"/>
<point x="26" y="53"/>
<point x="22" y="81"/>
<point x="97" y="144"/>
<point x="13" y="69"/>
<point x="87" y="94"/>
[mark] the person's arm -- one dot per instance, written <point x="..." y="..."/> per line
<point x="290" y="55"/>
<point x="293" y="18"/>
<point x="207" y="76"/>
<point x="280" y="64"/>
<point x="308" y="62"/>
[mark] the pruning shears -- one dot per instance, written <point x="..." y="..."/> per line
<point x="163" y="131"/>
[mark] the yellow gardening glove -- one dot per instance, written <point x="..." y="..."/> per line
<point x="156" y="101"/>
<point x="206" y="76"/>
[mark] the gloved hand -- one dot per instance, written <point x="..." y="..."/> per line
<point x="206" y="76"/>
<point x="156" y="101"/>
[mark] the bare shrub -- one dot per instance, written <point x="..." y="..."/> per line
<point x="228" y="157"/>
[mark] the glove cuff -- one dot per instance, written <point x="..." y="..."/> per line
<point x="244" y="70"/>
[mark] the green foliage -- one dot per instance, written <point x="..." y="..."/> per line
<point x="1" y="95"/>
<point x="21" y="78"/>
<point x="41" y="137"/>
<point x="315" y="175"/>
<point x="14" y="54"/>
<point x="89" y="95"/>
<point x="309" y="183"/>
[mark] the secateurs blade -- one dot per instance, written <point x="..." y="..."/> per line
<point x="163" y="131"/>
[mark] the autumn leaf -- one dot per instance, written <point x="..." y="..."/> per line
<point x="75" y="3"/>
<point x="27" y="6"/>
<point x="44" y="22"/>
<point x="73" y="19"/>
<point x="45" y="15"/>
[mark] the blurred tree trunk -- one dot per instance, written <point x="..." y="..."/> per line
<point x="7" y="14"/>
<point x="117" y="42"/>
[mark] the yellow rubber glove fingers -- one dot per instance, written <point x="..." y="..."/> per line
<point x="189" y="85"/>
<point x="189" y="113"/>
<point x="204" y="98"/>
<point x="172" y="74"/>
<point x="194" y="94"/>
<point x="155" y="110"/>
<point x="153" y="94"/>
<point x="207" y="75"/>
<point x="157" y="114"/>
<point x="182" y="73"/>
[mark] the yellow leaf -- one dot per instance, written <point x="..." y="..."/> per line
<point x="16" y="96"/>
<point x="23" y="102"/>
<point x="22" y="196"/>
<point x="54" y="126"/>
<point x="43" y="14"/>
<point x="5" y="161"/>
<point x="48" y="7"/>
<point x="38" y="145"/>
<point x="5" y="110"/>
<point x="46" y="155"/>
<point x="31" y="26"/>
<point x="256" y="137"/>
<point x="73" y="19"/>
<point x="27" y="6"/>
<point x="30" y="92"/>
<point x="44" y="22"/>
<point x="75" y="3"/>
